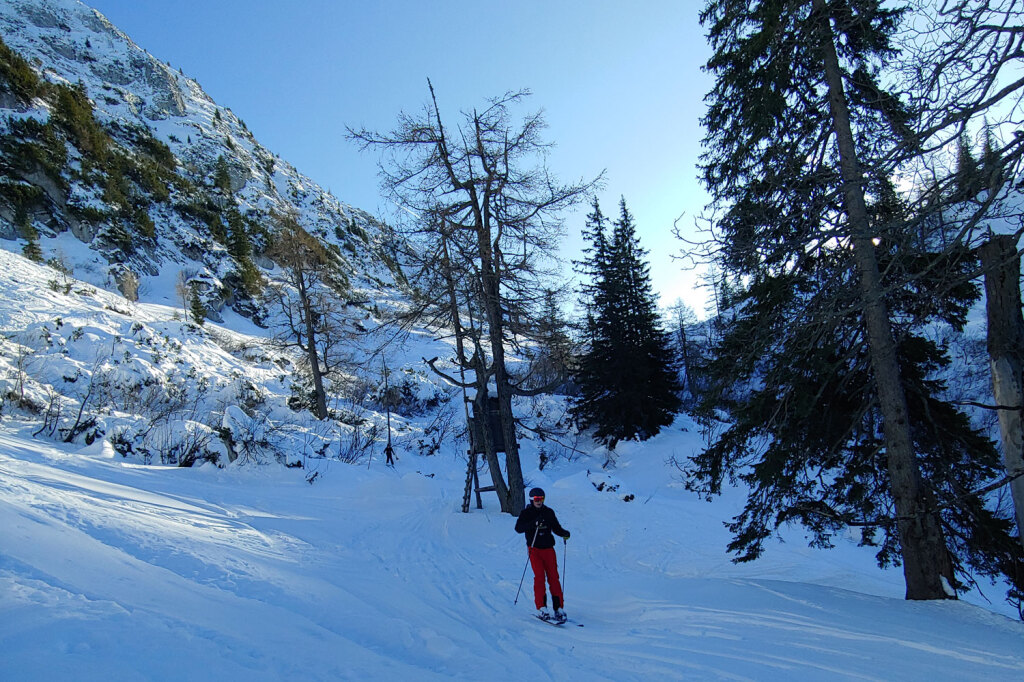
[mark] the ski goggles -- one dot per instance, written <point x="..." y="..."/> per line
<point x="537" y="498"/>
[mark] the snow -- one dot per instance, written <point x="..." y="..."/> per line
<point x="118" y="571"/>
<point x="110" y="569"/>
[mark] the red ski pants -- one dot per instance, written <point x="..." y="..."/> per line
<point x="545" y="564"/>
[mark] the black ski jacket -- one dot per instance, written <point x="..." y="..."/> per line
<point x="543" y="522"/>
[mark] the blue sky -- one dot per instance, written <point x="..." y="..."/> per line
<point x="620" y="84"/>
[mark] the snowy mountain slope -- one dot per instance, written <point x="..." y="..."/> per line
<point x="83" y="364"/>
<point x="114" y="570"/>
<point x="218" y="168"/>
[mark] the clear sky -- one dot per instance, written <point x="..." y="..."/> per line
<point x="620" y="84"/>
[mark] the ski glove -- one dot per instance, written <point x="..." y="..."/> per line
<point x="566" y="536"/>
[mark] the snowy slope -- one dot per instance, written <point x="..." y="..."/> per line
<point x="114" y="570"/>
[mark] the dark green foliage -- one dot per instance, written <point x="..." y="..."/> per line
<point x="794" y="377"/>
<point x="31" y="146"/>
<point x="73" y="115"/>
<point x="250" y="281"/>
<point x="195" y="306"/>
<point x="222" y="175"/>
<point x="89" y="214"/>
<point x="133" y="179"/>
<point x="968" y="173"/>
<point x="792" y="373"/>
<point x="143" y="223"/>
<point x="239" y="245"/>
<point x="116" y="191"/>
<point x="973" y="176"/>
<point x="770" y="154"/>
<point x="123" y="194"/>
<point x="240" y="248"/>
<point x="17" y="76"/>
<point x="199" y="210"/>
<point x="206" y="214"/>
<point x="141" y="140"/>
<point x="20" y="195"/>
<point x="29" y="233"/>
<point x="116" y="234"/>
<point x="554" y="362"/>
<point x="132" y="171"/>
<point x="628" y="379"/>
<point x="357" y="231"/>
<point x="217" y="229"/>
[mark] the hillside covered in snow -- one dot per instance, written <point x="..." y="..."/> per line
<point x="114" y="565"/>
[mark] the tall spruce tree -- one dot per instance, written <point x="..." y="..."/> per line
<point x="825" y="371"/>
<point x="628" y="379"/>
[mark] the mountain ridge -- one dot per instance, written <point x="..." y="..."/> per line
<point x="143" y="103"/>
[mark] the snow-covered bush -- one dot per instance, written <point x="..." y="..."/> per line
<point x="176" y="443"/>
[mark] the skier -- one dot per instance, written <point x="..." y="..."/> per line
<point x="538" y="523"/>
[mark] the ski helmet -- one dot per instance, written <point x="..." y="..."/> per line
<point x="536" y="492"/>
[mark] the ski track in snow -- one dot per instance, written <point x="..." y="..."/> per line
<point x="120" y="572"/>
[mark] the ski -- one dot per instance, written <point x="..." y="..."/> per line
<point x="558" y="623"/>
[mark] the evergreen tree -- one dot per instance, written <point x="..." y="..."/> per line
<point x="17" y="75"/>
<point x="222" y="175"/>
<point x="629" y="385"/>
<point x="825" y="368"/>
<point x="31" y="250"/>
<point x="991" y="165"/>
<point x="217" y="229"/>
<point x="195" y="306"/>
<point x="969" y="180"/>
<point x="551" y="366"/>
<point x="683" y="317"/>
<point x="240" y="248"/>
<point x="239" y="245"/>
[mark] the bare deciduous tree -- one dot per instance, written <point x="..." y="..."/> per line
<point x="309" y="303"/>
<point x="487" y="212"/>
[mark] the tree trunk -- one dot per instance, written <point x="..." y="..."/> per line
<point x="685" y="348"/>
<point x="1001" y="262"/>
<point x="927" y="568"/>
<point x="490" y="451"/>
<point x="460" y="354"/>
<point x="514" y="498"/>
<point x="320" y="408"/>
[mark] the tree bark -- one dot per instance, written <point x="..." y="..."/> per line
<point x="319" y="394"/>
<point x="927" y="568"/>
<point x="514" y="498"/>
<point x="1001" y="263"/>
<point x="684" y="347"/>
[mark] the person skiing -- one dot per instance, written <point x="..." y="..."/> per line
<point x="538" y="522"/>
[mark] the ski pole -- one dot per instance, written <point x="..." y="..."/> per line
<point x="564" y="545"/>
<point x="527" y="564"/>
